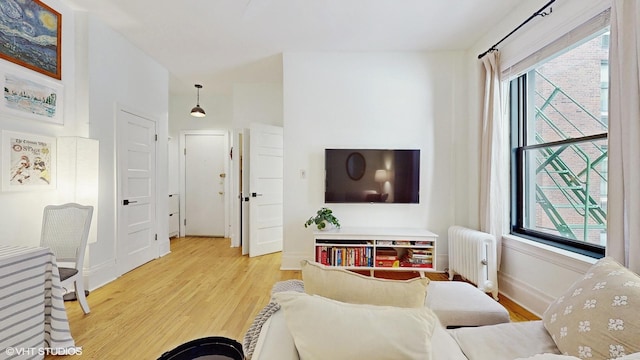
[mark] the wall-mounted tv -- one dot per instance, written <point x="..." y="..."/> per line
<point x="372" y="176"/>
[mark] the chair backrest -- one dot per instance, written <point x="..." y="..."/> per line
<point x="65" y="229"/>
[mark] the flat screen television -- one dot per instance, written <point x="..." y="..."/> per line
<point x="372" y="176"/>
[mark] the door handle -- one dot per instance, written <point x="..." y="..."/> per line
<point x="220" y="192"/>
<point x="255" y="194"/>
<point x="127" y="202"/>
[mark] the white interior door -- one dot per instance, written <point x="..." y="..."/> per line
<point x="205" y="184"/>
<point x="266" y="189"/>
<point x="244" y="193"/>
<point x="137" y="191"/>
<point x="239" y="186"/>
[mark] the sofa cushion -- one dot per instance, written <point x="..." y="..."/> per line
<point x="597" y="317"/>
<point x="327" y="329"/>
<point x="347" y="286"/>
<point x="504" y="341"/>
<point x="458" y="303"/>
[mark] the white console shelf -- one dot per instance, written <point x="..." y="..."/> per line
<point x="377" y="248"/>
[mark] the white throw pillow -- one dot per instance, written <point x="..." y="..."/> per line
<point x="634" y="356"/>
<point x="597" y="317"/>
<point x="325" y="329"/>
<point x="347" y="286"/>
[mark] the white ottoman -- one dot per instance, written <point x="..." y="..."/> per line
<point x="459" y="304"/>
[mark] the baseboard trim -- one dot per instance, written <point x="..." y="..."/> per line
<point x="99" y="275"/>
<point x="530" y="298"/>
<point x="164" y="250"/>
<point x="291" y="261"/>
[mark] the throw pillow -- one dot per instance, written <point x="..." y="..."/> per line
<point x="598" y="316"/>
<point x="549" y="357"/>
<point x="347" y="286"/>
<point x="327" y="329"/>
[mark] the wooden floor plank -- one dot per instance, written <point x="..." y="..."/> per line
<point x="202" y="288"/>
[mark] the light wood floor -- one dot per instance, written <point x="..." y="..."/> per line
<point x="202" y="288"/>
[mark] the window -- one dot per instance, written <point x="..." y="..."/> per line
<point x="559" y="116"/>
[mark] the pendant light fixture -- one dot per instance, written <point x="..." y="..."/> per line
<point x="198" y="111"/>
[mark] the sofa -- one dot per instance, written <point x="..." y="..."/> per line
<point x="350" y="316"/>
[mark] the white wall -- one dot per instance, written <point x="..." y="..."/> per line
<point x="120" y="75"/>
<point x="219" y="117"/>
<point x="370" y="100"/>
<point x="21" y="218"/>
<point x="257" y="102"/>
<point x="531" y="274"/>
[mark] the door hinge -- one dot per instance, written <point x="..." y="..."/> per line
<point x="185" y="151"/>
<point x="156" y="137"/>
<point x="156" y="237"/>
<point x="185" y="222"/>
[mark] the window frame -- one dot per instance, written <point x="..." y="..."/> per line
<point x="518" y="111"/>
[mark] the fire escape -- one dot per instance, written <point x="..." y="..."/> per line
<point x="568" y="170"/>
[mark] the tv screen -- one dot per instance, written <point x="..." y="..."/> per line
<point x="372" y="176"/>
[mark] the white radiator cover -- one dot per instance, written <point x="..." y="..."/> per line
<point x="473" y="255"/>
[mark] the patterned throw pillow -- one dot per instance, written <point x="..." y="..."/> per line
<point x="598" y="317"/>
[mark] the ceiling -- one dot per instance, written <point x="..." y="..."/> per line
<point x="220" y="42"/>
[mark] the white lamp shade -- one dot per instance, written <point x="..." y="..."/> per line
<point x="78" y="166"/>
<point x="381" y="176"/>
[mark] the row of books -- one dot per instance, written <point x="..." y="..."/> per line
<point x="363" y="256"/>
<point x="344" y="256"/>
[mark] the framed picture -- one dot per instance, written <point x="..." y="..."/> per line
<point x="31" y="36"/>
<point x="28" y="162"/>
<point x="31" y="96"/>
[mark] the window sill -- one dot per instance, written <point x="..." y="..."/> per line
<point x="548" y="253"/>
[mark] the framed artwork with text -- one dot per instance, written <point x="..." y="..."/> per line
<point x="28" y="162"/>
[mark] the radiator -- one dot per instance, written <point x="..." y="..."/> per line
<point x="472" y="255"/>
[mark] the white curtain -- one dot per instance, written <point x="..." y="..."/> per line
<point x="623" y="232"/>
<point x="494" y="166"/>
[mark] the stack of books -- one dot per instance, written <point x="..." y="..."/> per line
<point x="422" y="258"/>
<point x="387" y="258"/>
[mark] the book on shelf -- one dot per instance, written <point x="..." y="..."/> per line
<point x="388" y="263"/>
<point x="424" y="243"/>
<point x="386" y="257"/>
<point x="386" y="254"/>
<point x="321" y="255"/>
<point x="402" y="242"/>
<point x="415" y="265"/>
<point x="419" y="253"/>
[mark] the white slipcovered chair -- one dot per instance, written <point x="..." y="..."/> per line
<point x="65" y="230"/>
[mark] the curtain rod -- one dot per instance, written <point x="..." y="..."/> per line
<point x="533" y="16"/>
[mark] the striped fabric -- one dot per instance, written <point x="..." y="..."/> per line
<point x="32" y="312"/>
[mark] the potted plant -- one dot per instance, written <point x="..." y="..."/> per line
<point x="323" y="217"/>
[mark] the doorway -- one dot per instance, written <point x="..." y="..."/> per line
<point x="204" y="183"/>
